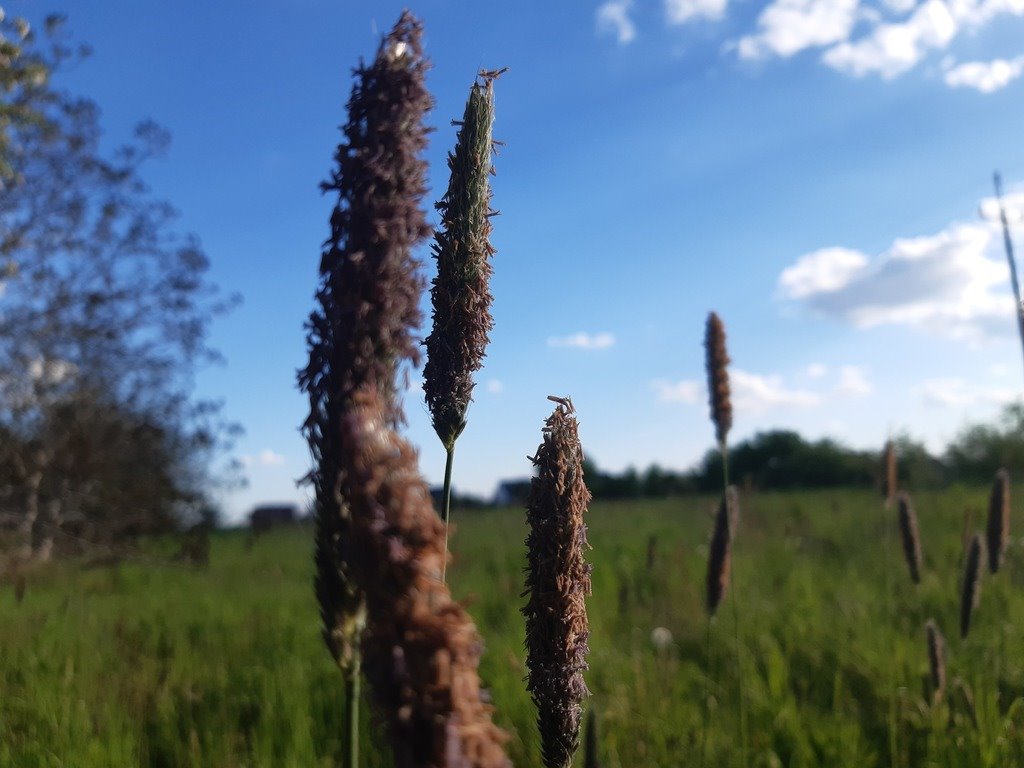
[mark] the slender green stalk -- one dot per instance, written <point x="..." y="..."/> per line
<point x="707" y="693"/>
<point x="724" y="448"/>
<point x="740" y="675"/>
<point x="446" y="505"/>
<point x="460" y="294"/>
<point x="352" y="693"/>
<point x="1010" y="260"/>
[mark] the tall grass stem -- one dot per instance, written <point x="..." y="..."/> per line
<point x="446" y="505"/>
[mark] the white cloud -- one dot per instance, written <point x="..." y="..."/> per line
<point x="754" y="393"/>
<point x="985" y="76"/>
<point x="822" y="271"/>
<point x="1013" y="204"/>
<point x="956" y="393"/>
<point x="816" y="370"/>
<point x="787" y="27"/>
<point x="683" y="11"/>
<point x="899" y="6"/>
<point x="751" y="392"/>
<point x="583" y="340"/>
<point x="891" y="49"/>
<point x="613" y="18"/>
<point x="953" y="283"/>
<point x="885" y="38"/>
<point x="265" y="458"/>
<point x="495" y="387"/>
<point x="853" y="381"/>
<point x="686" y="391"/>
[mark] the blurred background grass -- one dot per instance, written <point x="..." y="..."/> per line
<point x="142" y="664"/>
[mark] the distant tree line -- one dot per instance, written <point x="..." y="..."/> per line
<point x="784" y="460"/>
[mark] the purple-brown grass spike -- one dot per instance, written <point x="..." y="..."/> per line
<point x="971" y="588"/>
<point x="910" y="535"/>
<point x="998" y="527"/>
<point x="421" y="651"/>
<point x="557" y="584"/>
<point x="717" y="365"/>
<point x="936" y="660"/>
<point x="367" y="297"/>
<point x="720" y="549"/>
<point x="890" y="479"/>
<point x="460" y="293"/>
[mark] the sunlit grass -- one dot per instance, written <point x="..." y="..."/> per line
<point x="166" y="666"/>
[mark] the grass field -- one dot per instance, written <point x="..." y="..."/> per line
<point x="822" y="631"/>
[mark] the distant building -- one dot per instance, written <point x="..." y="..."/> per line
<point x="267" y="516"/>
<point x="512" y="492"/>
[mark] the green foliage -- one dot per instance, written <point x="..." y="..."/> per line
<point x="981" y="448"/>
<point x="141" y="665"/>
<point x="784" y="460"/>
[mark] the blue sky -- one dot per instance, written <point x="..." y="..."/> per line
<point x="811" y="169"/>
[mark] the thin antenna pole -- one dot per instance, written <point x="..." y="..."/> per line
<point x="1008" y="242"/>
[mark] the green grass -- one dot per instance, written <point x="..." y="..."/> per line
<point x="166" y="666"/>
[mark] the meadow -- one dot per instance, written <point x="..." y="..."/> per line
<point x="821" y="636"/>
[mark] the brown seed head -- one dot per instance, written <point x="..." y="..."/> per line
<point x="421" y="650"/>
<point x="910" y="536"/>
<point x="368" y="295"/>
<point x="720" y="549"/>
<point x="890" y="478"/>
<point x="460" y="293"/>
<point x="971" y="589"/>
<point x="557" y="583"/>
<point x="936" y="659"/>
<point x="716" y="363"/>
<point x="998" y="528"/>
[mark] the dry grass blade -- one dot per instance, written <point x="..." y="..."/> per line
<point x="936" y="660"/>
<point x="998" y="527"/>
<point x="971" y="588"/>
<point x="910" y="536"/>
<point x="557" y="584"/>
<point x="421" y="650"/>
<point x="720" y="549"/>
<point x="717" y="365"/>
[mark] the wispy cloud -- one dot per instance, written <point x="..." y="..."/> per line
<point x="984" y="76"/>
<point x="816" y="370"/>
<point x="957" y="393"/>
<point x="684" y="11"/>
<point x="751" y="392"/>
<point x="687" y="391"/>
<point x="265" y="458"/>
<point x="853" y="381"/>
<point x="613" y="17"/>
<point x="755" y="393"/>
<point x="494" y="386"/>
<point x="582" y="340"/>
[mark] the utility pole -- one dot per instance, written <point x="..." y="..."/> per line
<point x="1008" y="242"/>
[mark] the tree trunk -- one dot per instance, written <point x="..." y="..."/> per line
<point x="26" y="530"/>
<point x="45" y="530"/>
